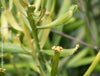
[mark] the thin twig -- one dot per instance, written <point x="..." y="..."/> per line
<point x="8" y="27"/>
<point x="87" y="20"/>
<point x="67" y="36"/>
<point x="5" y="27"/>
<point x="72" y="38"/>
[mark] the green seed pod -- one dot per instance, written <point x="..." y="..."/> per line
<point x="61" y="20"/>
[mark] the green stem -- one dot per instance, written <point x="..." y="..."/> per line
<point x="24" y="48"/>
<point x="33" y="26"/>
<point x="43" y="3"/>
<point x="93" y="65"/>
<point x="55" y="64"/>
<point x="34" y="31"/>
<point x="33" y="53"/>
<point x="37" y="5"/>
<point x="48" y="5"/>
<point x="32" y="50"/>
<point x="53" y="7"/>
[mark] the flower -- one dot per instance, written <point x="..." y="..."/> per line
<point x="57" y="48"/>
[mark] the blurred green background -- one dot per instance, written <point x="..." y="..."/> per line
<point x="75" y="65"/>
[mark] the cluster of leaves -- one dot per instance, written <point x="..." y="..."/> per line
<point x="27" y="40"/>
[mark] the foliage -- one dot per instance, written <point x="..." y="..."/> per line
<point x="29" y="29"/>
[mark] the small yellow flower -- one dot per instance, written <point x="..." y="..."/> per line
<point x="57" y="48"/>
<point x="18" y="13"/>
<point x="17" y="35"/>
<point x="53" y="47"/>
<point x="2" y="70"/>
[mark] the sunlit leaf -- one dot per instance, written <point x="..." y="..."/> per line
<point x="4" y="23"/>
<point x="19" y="7"/>
<point x="64" y="53"/>
<point x="77" y="57"/>
<point x="82" y="61"/>
<point x="11" y="48"/>
<point x="10" y="18"/>
<point x="10" y="4"/>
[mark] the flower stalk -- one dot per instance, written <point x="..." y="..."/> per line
<point x="56" y="56"/>
<point x="93" y="65"/>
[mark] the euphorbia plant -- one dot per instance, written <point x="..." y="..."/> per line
<point x="33" y="33"/>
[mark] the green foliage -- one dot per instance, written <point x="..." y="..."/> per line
<point x="64" y="53"/>
<point x="26" y="31"/>
<point x="2" y="74"/>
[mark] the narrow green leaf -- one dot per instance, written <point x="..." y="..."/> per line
<point x="9" y="67"/>
<point x="26" y="22"/>
<point x="97" y="68"/>
<point x="4" y="4"/>
<point x="34" y="67"/>
<point x="59" y="21"/>
<point x="74" y="25"/>
<point x="55" y="64"/>
<point x="48" y="68"/>
<point x="10" y="18"/>
<point x="93" y="65"/>
<point x="83" y="61"/>
<point x="4" y="23"/>
<point x="95" y="31"/>
<point x="24" y="3"/>
<point x="30" y="61"/>
<point x="74" y="8"/>
<point x="77" y="57"/>
<point x="19" y="7"/>
<point x="37" y="4"/>
<point x="64" y="53"/>
<point x="48" y="6"/>
<point x="11" y="48"/>
<point x="10" y="4"/>
<point x="43" y="3"/>
<point x="45" y="33"/>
